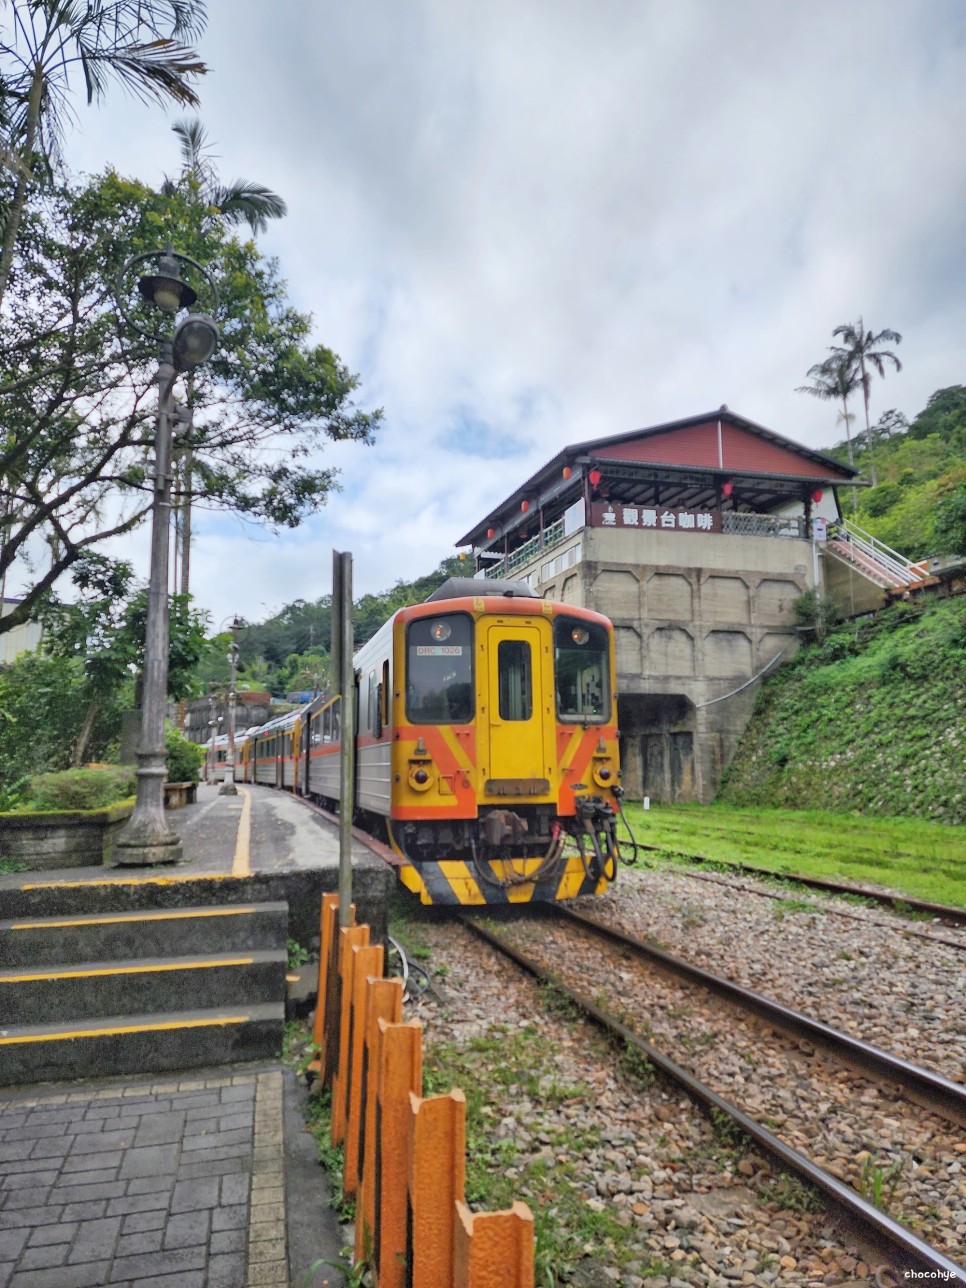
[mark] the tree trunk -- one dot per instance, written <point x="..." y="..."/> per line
<point x="868" y="427"/>
<point x="15" y="213"/>
<point x="83" y="738"/>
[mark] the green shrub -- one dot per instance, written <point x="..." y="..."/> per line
<point x="81" y="788"/>
<point x="184" y="759"/>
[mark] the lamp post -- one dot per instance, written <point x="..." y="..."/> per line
<point x="146" y="838"/>
<point x="228" y="787"/>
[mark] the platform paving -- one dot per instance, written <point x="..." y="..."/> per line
<point x="196" y="1179"/>
<point x="163" y="1183"/>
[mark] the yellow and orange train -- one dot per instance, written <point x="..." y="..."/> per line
<point x="486" y="745"/>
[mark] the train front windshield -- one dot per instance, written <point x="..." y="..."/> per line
<point x="581" y="670"/>
<point x="439" y="670"/>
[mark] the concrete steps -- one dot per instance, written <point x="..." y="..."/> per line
<point x="141" y="991"/>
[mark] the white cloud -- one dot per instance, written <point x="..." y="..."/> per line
<point x="537" y="223"/>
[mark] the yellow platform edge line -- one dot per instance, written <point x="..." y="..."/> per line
<point x="157" y="914"/>
<point x="146" y="969"/>
<point x="125" y="1028"/>
<point x="118" y="881"/>
<point x="241" y="863"/>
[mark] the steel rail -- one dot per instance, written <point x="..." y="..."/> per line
<point x="931" y="937"/>
<point x="870" y="1224"/>
<point x="899" y="903"/>
<point x="920" y="1085"/>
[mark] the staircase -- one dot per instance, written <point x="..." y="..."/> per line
<point x="140" y="990"/>
<point x="876" y="561"/>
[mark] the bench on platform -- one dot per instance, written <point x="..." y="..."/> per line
<point x="177" y="795"/>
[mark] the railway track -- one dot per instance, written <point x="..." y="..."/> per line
<point x="776" y="1069"/>
<point x="901" y="904"/>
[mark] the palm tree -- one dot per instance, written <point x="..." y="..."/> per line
<point x="236" y="202"/>
<point x="860" y="349"/>
<point x="833" y="380"/>
<point x="137" y="42"/>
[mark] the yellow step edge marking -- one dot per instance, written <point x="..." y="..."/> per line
<point x="125" y="1028"/>
<point x="139" y="969"/>
<point x="157" y="915"/>
<point x="112" y="881"/>
<point x="241" y="864"/>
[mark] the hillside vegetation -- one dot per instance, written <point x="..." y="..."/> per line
<point x="871" y="720"/>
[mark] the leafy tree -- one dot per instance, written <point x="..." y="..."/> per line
<point x="951" y="523"/>
<point x="891" y="424"/>
<point x="860" y="350"/>
<point x="291" y="649"/>
<point x="944" y="414"/>
<point x="77" y="405"/>
<point x="45" y="44"/>
<point x="42" y="705"/>
<point x="104" y="631"/>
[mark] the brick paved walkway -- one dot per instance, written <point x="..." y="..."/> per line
<point x="146" y="1183"/>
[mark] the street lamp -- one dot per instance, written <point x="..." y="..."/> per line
<point x="228" y="787"/>
<point x="146" y="838"/>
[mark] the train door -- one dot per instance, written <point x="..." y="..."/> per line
<point x="517" y="727"/>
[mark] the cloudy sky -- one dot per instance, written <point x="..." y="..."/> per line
<point x="525" y="223"/>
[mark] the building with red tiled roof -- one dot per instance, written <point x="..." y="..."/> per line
<point x="695" y="537"/>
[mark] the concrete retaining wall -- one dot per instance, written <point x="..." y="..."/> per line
<point x="62" y="838"/>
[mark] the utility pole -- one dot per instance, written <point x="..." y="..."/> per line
<point x="343" y="675"/>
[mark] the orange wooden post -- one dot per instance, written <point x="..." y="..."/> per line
<point x="493" y="1249"/>
<point x="366" y="962"/>
<point x="400" y="1073"/>
<point x="349" y="937"/>
<point x="383" y="1002"/>
<point x="437" y="1176"/>
<point x="328" y="921"/>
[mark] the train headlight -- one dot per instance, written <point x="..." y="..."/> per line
<point x="420" y="778"/>
<point x="580" y="635"/>
<point x="440" y="631"/>
<point x="603" y="776"/>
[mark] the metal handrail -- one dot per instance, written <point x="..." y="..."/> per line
<point x="902" y="568"/>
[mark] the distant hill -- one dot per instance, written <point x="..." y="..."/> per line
<point x="871" y="720"/>
<point x="918" y="505"/>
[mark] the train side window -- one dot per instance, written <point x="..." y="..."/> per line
<point x="336" y="719"/>
<point x="439" y="669"/>
<point x="327" y="725"/>
<point x="384" y="697"/>
<point x="514" y="666"/>
<point x="581" y="670"/>
<point x="372" y="724"/>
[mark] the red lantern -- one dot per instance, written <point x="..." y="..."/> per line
<point x="491" y="533"/>
<point x="567" y="471"/>
<point x="595" y="476"/>
<point x="817" y="494"/>
<point x="727" y="488"/>
<point x="524" y="506"/>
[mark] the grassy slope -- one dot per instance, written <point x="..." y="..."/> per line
<point x="872" y="721"/>
<point x="914" y="857"/>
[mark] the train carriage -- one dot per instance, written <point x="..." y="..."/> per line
<point x="485" y="745"/>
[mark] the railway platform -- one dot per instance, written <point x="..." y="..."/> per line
<point x="150" y="1135"/>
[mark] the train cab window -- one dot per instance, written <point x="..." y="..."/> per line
<point x="581" y="670"/>
<point x="439" y="670"/>
<point x="514" y="666"/>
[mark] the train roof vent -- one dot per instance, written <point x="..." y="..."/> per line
<point x="464" y="587"/>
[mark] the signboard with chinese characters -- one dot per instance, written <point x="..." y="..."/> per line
<point x="655" y="518"/>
